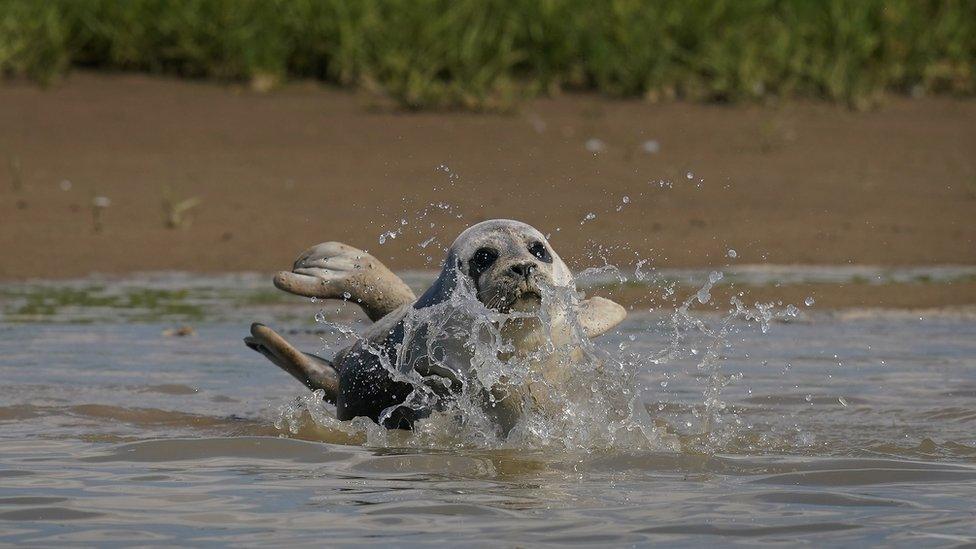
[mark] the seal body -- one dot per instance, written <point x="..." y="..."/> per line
<point x="496" y="281"/>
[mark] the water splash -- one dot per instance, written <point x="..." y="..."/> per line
<point x="424" y="226"/>
<point x="472" y="366"/>
<point x="572" y="394"/>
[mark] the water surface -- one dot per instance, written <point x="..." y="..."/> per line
<point x="842" y="428"/>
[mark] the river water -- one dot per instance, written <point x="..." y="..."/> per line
<point x="845" y="428"/>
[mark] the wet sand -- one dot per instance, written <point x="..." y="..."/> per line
<point x="802" y="183"/>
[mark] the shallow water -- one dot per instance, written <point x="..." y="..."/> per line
<point x="843" y="428"/>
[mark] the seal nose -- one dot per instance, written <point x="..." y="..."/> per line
<point x="523" y="269"/>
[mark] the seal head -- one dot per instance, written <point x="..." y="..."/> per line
<point x="508" y="263"/>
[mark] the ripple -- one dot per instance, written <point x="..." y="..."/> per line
<point x="748" y="531"/>
<point x="243" y="448"/>
<point x="48" y="514"/>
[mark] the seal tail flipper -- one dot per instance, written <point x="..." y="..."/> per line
<point x="333" y="270"/>
<point x="315" y="372"/>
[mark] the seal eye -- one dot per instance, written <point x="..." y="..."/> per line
<point x="481" y="261"/>
<point x="539" y="250"/>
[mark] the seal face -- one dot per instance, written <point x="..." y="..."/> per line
<point x="507" y="266"/>
<point x="510" y="264"/>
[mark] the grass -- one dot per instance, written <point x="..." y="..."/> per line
<point x="152" y="303"/>
<point x="114" y="303"/>
<point x="480" y="54"/>
<point x="175" y="211"/>
<point x="16" y="173"/>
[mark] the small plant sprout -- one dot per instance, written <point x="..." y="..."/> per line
<point x="175" y="211"/>
<point x="99" y="204"/>
<point x="16" y="173"/>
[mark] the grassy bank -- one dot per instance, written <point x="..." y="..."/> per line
<point x="487" y="53"/>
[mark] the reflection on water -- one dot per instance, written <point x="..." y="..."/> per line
<point x="841" y="429"/>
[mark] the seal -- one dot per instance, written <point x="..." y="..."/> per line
<point x="499" y="277"/>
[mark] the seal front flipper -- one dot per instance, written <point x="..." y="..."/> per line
<point x="315" y="372"/>
<point x="598" y="314"/>
<point x="333" y="270"/>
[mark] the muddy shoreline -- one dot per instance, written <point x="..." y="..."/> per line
<point x="186" y="297"/>
<point x="801" y="183"/>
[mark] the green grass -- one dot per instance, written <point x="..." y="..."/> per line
<point x="488" y="53"/>
<point x="153" y="303"/>
<point x="95" y="302"/>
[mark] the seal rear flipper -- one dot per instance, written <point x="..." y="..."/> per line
<point x="315" y="372"/>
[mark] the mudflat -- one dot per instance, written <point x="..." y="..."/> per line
<point x="678" y="184"/>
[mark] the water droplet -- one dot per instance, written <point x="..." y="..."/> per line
<point x="538" y="124"/>
<point x="626" y="200"/>
<point x="809" y="301"/>
<point x="690" y="175"/>
<point x="595" y="145"/>
<point x="714" y="276"/>
<point x="651" y="146"/>
<point x="65" y="185"/>
<point x="346" y="295"/>
<point x="101" y="202"/>
<point x="732" y="253"/>
<point x="808" y="398"/>
<point x="842" y="401"/>
<point x="704" y="296"/>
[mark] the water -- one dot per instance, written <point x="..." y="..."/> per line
<point x="844" y="428"/>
